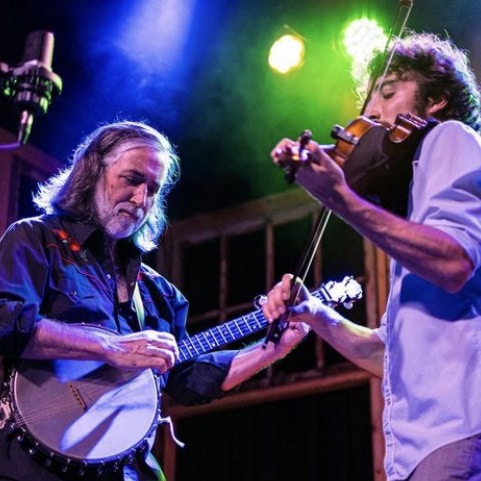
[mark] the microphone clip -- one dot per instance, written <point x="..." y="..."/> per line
<point x="31" y="86"/>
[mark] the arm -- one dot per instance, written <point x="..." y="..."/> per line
<point x="146" y="349"/>
<point x="253" y="359"/>
<point x="359" y="344"/>
<point x="427" y="245"/>
<point x="422" y="249"/>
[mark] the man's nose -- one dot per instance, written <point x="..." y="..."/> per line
<point x="373" y="109"/>
<point x="139" y="197"/>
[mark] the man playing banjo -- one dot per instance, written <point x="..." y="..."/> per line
<point x="78" y="263"/>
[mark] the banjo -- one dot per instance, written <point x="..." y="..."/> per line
<point x="88" y="418"/>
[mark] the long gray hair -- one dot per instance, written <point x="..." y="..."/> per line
<point x="71" y="191"/>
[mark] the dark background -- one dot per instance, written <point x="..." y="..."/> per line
<point x="197" y="70"/>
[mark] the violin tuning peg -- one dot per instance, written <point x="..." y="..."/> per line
<point x="335" y="132"/>
<point x="306" y="136"/>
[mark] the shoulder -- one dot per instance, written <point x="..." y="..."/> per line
<point x="24" y="236"/>
<point x="33" y="231"/>
<point x="169" y="291"/>
<point x="450" y="130"/>
<point x="451" y="140"/>
<point x="29" y="225"/>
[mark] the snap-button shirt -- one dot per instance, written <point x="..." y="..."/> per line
<point x="55" y="268"/>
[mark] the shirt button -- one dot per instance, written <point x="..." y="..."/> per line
<point x="109" y="276"/>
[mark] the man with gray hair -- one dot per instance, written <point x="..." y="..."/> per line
<point x="80" y="262"/>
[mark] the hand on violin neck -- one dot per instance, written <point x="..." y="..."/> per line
<point x="312" y="168"/>
<point x="289" y="151"/>
<point x="299" y="152"/>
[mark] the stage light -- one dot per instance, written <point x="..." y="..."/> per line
<point x="286" y="54"/>
<point x="362" y="37"/>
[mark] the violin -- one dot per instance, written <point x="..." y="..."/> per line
<point x="376" y="157"/>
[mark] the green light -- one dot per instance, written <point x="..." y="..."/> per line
<point x="362" y="37"/>
<point x="286" y="54"/>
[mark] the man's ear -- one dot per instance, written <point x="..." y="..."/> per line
<point x="435" y="106"/>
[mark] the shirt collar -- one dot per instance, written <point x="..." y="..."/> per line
<point x="84" y="233"/>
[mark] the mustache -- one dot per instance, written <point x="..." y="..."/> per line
<point x="136" y="212"/>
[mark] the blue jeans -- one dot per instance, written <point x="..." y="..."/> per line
<point x="457" y="461"/>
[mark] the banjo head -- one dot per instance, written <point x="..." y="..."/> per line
<point x="84" y="413"/>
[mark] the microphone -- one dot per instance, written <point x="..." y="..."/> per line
<point x="32" y="84"/>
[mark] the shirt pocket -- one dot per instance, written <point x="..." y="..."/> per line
<point x="73" y="287"/>
<point x="72" y="297"/>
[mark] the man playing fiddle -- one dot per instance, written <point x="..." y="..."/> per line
<point x="427" y="349"/>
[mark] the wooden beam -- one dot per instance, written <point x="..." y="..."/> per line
<point x="342" y="380"/>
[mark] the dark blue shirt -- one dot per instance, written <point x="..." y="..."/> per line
<point x="55" y="268"/>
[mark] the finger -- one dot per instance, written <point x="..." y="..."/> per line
<point x="150" y="356"/>
<point x="167" y="355"/>
<point x="163" y="340"/>
<point x="275" y="307"/>
<point x="171" y="355"/>
<point x="283" y="151"/>
<point x="300" y="329"/>
<point x="317" y="155"/>
<point x="285" y="286"/>
<point x="269" y="308"/>
<point x="151" y="342"/>
<point x="277" y="153"/>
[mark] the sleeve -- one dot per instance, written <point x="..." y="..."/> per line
<point x="446" y="191"/>
<point x="23" y="273"/>
<point x="381" y="330"/>
<point x="199" y="382"/>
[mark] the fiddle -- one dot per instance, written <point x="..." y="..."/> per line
<point x="376" y="157"/>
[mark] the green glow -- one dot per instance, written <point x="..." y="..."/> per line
<point x="286" y="54"/>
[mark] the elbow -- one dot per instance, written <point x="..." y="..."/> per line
<point x="454" y="279"/>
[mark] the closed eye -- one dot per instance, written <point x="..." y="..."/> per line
<point x="136" y="180"/>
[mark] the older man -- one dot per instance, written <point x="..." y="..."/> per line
<point x="78" y="263"/>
